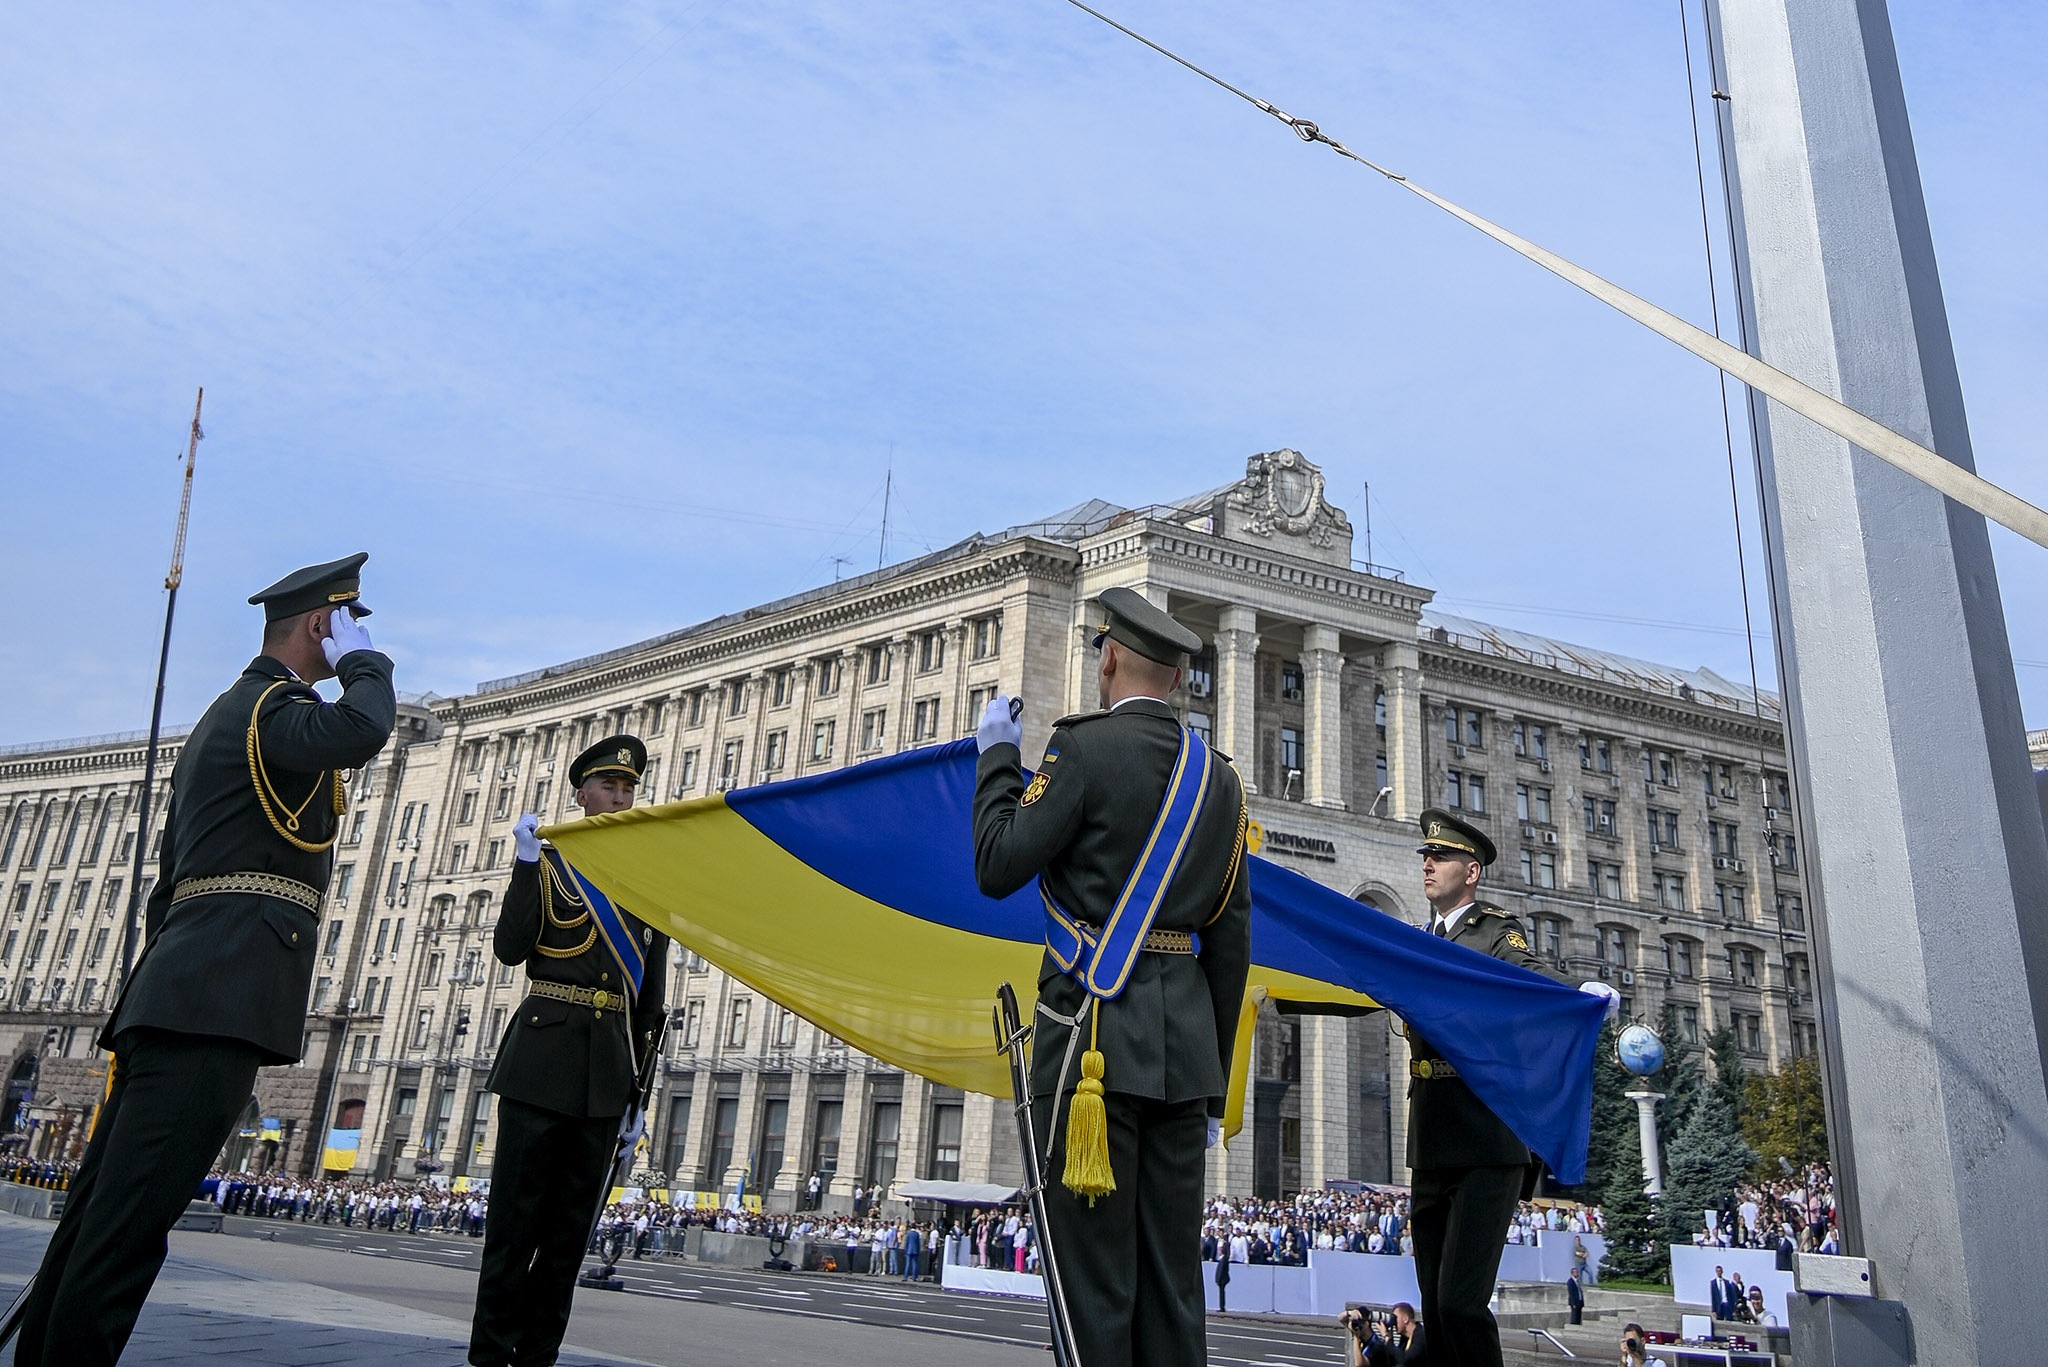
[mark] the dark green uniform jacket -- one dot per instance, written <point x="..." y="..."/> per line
<point x="566" y="1058"/>
<point x="1168" y="1036"/>
<point x="1448" y="1126"/>
<point x="238" y="964"/>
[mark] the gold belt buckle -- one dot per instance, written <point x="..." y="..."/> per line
<point x="599" y="998"/>
<point x="1425" y="1068"/>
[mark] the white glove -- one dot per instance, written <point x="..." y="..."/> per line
<point x="1606" y="992"/>
<point x="526" y="838"/>
<point x="1215" y="1133"/>
<point x="631" y="1127"/>
<point x="344" y="634"/>
<point x="998" y="727"/>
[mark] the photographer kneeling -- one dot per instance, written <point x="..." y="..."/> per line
<point x="1385" y="1339"/>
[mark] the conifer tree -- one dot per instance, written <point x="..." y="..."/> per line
<point x="1679" y="1079"/>
<point x="1614" y="1115"/>
<point x="1635" y="1242"/>
<point x="1702" y="1167"/>
<point x="1725" y="1050"/>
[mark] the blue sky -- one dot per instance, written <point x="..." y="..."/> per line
<point x="589" y="322"/>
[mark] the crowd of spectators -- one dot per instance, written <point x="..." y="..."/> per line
<point x="1793" y="1214"/>
<point x="1373" y="1220"/>
<point x="414" y="1207"/>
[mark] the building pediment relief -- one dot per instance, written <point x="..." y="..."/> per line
<point x="1280" y="502"/>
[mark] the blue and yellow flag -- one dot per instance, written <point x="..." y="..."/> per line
<point x="849" y="897"/>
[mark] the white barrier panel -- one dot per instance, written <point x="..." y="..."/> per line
<point x="1294" y="1291"/>
<point x="1339" y="1279"/>
<point x="1692" y="1275"/>
<point x="1557" y="1253"/>
<point x="989" y="1281"/>
<point x="1250" y="1291"/>
<point x="1520" y="1263"/>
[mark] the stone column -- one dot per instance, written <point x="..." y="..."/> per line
<point x="1321" y="670"/>
<point x="1237" y="644"/>
<point x="1401" y="682"/>
<point x="1646" y="1125"/>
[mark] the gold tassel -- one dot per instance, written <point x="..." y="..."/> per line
<point x="1088" y="1172"/>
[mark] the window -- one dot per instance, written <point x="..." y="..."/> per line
<point x="1546" y="870"/>
<point x="736" y="698"/>
<point x="988" y="638"/>
<point x="825" y="1121"/>
<point x="781" y="688"/>
<point x="694" y="707"/>
<point x="1614" y="947"/>
<point x="774" y="1135"/>
<point x="1474" y="735"/>
<point x="422" y="1027"/>
<point x="885" y="1125"/>
<point x="931" y="651"/>
<point x="1552" y="932"/>
<point x="1662" y="766"/>
<point x="946" y="1131"/>
<point x="821" y="739"/>
<point x="1290" y="748"/>
<point x="1678" y="960"/>
<point x="785" y="1029"/>
<point x="458" y="855"/>
<point x="872" y="726"/>
<point x="1752" y="1033"/>
<point x="924" y="721"/>
<point x="493" y="852"/>
<point x="113" y="895"/>
<point x="1539" y="740"/>
<point x="541" y="792"/>
<point x="1798" y="975"/>
<point x="1788" y="854"/>
<point x="355" y="1054"/>
<point x="828" y="676"/>
<point x="1463" y="726"/>
<point x="686" y="777"/>
<point x="1728" y="900"/>
<point x="1201" y="681"/>
<point x="344" y="884"/>
<point x="1521" y="800"/>
<point x="1724" y="779"/>
<point x="405" y="822"/>
<point x="433" y="969"/>
<point x="657" y="712"/>
<point x="1532" y="803"/>
<point x="978" y="700"/>
<point x="81" y="894"/>
<point x="775" y="751"/>
<point x="725" y="1119"/>
<point x="383" y="929"/>
<point x="99" y="946"/>
<point x="1290" y="682"/>
<point x="1670" y="888"/>
<point x="1791" y="914"/>
<point x="1454" y="790"/>
<point x="1663" y="829"/>
<point x="466" y="811"/>
<point x="1689" y="1024"/>
<point x="1521" y="739"/>
<point x="729" y="772"/>
<point x="333" y="938"/>
<point x="1201" y="725"/>
<point x="1475" y="793"/>
<point x="321" y="987"/>
<point x="1599" y="816"/>
<point x="736" y="1023"/>
<point x="878" y="665"/>
<point x="1529" y="866"/>
<point x="693" y="1022"/>
<point x="1742" y="965"/>
<point x="1597" y="753"/>
<point x="1379" y="711"/>
<point x="678" y="1132"/>
<point x="1379" y="771"/>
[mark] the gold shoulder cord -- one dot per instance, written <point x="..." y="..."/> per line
<point x="1244" y="817"/>
<point x="549" y="882"/>
<point x="266" y="794"/>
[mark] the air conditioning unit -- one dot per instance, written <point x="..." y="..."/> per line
<point x="1528" y="832"/>
<point x="1771" y="814"/>
<point x="1614" y="782"/>
<point x="1738" y="866"/>
<point x="1606" y="825"/>
<point x="1628" y="977"/>
<point x="508" y="771"/>
<point x="1722" y="861"/>
<point x="1550" y="837"/>
<point x="1711" y="804"/>
<point x="1542" y="766"/>
<point x="1458" y="750"/>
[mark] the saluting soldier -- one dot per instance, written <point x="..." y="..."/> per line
<point x="567" y="1070"/>
<point x="1469" y="1169"/>
<point x="220" y="989"/>
<point x="1134" y="829"/>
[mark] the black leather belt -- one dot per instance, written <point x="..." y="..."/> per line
<point x="1430" y="1067"/>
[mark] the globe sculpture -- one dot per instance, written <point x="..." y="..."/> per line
<point x="1641" y="1052"/>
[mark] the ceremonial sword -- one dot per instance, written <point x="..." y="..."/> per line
<point x="1011" y="1036"/>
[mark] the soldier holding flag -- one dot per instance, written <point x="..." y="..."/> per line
<point x="566" y="1072"/>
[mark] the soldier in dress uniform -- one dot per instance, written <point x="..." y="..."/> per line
<point x="220" y="988"/>
<point x="1134" y="830"/>
<point x="567" y="1070"/>
<point x="1469" y="1169"/>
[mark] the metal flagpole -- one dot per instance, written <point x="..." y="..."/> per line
<point x="156" y="712"/>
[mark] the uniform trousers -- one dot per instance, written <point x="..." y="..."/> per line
<point x="174" y="1100"/>
<point x="1460" y="1218"/>
<point x="1131" y="1264"/>
<point x="547" y="1177"/>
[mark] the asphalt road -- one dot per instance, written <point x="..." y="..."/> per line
<point x="872" y="1302"/>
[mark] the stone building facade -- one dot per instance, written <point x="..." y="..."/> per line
<point x="1642" y="812"/>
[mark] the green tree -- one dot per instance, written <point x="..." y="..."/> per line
<point x="1679" y="1079"/>
<point x="1783" y="1116"/>
<point x="1635" y="1241"/>
<point x="1703" y="1166"/>
<point x="1724" y="1050"/>
<point x="1614" y="1115"/>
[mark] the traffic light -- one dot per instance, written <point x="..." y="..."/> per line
<point x="462" y="1025"/>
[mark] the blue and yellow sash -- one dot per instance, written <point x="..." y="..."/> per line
<point x="614" y="927"/>
<point x="1112" y="952"/>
